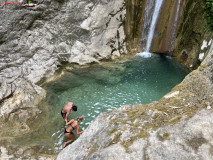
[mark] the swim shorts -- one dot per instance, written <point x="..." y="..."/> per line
<point x="63" y="114"/>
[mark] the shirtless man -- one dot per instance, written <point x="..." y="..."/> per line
<point x="67" y="109"/>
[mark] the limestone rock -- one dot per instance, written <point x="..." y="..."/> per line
<point x="188" y="139"/>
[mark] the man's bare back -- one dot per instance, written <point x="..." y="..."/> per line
<point x="67" y="109"/>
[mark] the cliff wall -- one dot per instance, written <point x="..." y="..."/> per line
<point x="192" y="34"/>
<point x="133" y="24"/>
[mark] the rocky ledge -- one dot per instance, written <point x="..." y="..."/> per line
<point x="178" y="126"/>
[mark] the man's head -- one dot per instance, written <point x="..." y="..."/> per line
<point x="74" y="108"/>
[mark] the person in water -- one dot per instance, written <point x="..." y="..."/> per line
<point x="67" y="109"/>
<point x="71" y="126"/>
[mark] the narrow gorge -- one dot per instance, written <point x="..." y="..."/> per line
<point x="141" y="72"/>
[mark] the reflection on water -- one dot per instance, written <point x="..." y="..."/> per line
<point x="100" y="88"/>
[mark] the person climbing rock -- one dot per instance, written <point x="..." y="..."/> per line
<point x="67" y="109"/>
<point x="71" y="126"/>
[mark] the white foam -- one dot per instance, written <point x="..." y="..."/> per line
<point x="144" y="54"/>
<point x="97" y="111"/>
<point x="96" y="104"/>
<point x="169" y="57"/>
<point x="87" y="123"/>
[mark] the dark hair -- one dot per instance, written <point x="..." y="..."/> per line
<point x="74" y="108"/>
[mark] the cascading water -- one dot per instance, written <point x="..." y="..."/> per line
<point x="149" y="24"/>
<point x="151" y="14"/>
<point x="146" y="23"/>
<point x="158" y="4"/>
<point x="174" y="28"/>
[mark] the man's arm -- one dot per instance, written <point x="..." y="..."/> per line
<point x="67" y="123"/>
<point x="67" y="115"/>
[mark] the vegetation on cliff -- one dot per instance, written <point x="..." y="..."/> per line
<point x="209" y="13"/>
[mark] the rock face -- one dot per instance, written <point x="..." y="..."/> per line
<point x="133" y="24"/>
<point x="179" y="126"/>
<point x="192" y="31"/>
<point x="36" y="41"/>
<point x="165" y="34"/>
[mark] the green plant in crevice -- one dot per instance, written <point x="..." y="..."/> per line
<point x="209" y="13"/>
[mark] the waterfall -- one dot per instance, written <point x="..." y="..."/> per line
<point x="151" y="14"/>
<point x="152" y="10"/>
<point x="158" y="4"/>
<point x="174" y="28"/>
<point x="146" y="22"/>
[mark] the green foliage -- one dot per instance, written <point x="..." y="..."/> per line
<point x="209" y="13"/>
